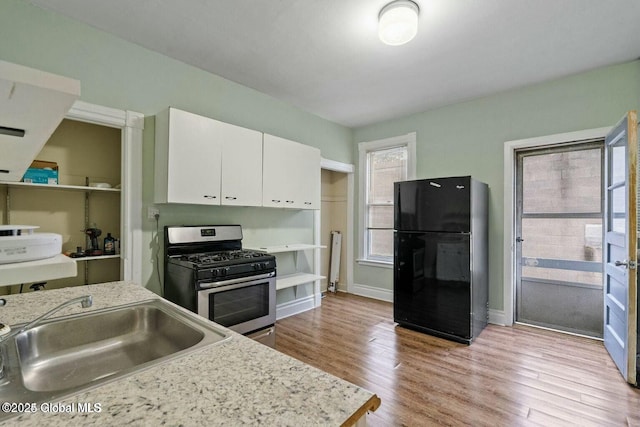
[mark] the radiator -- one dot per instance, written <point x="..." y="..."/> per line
<point x="334" y="265"/>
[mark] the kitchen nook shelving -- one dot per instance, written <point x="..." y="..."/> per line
<point x="298" y="277"/>
<point x="98" y="133"/>
<point x="89" y="157"/>
<point x="87" y="190"/>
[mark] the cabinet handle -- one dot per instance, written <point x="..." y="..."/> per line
<point x="289" y="201"/>
<point x="275" y="200"/>
<point x="231" y="198"/>
<point x="307" y="203"/>
<point x="206" y="196"/>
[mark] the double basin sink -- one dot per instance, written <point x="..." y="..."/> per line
<point x="67" y="355"/>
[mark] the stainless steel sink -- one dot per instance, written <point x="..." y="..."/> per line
<point x="67" y="355"/>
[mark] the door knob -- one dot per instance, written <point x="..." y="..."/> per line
<point x="519" y="239"/>
<point x="632" y="265"/>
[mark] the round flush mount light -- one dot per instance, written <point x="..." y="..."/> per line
<point x="398" y="22"/>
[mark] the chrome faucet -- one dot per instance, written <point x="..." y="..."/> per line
<point x="85" y="301"/>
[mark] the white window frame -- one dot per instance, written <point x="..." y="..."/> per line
<point x="364" y="148"/>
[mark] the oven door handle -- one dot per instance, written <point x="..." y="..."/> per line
<point x="238" y="280"/>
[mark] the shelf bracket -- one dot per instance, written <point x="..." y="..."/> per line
<point x="7" y="217"/>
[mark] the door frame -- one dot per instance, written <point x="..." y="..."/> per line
<point x="131" y="125"/>
<point x="349" y="169"/>
<point x="507" y="315"/>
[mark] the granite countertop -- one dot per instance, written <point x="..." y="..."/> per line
<point x="236" y="382"/>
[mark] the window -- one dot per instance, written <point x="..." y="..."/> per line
<point x="382" y="163"/>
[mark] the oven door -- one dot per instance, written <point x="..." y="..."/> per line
<point x="242" y="305"/>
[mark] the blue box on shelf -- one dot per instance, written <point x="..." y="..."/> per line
<point x="41" y="172"/>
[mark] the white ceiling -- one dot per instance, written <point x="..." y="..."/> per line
<point x="324" y="56"/>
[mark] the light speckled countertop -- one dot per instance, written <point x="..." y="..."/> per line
<point x="237" y="382"/>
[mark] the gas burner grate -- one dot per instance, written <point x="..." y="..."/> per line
<point x="214" y="257"/>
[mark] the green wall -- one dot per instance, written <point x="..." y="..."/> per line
<point x="118" y="74"/>
<point x="468" y="139"/>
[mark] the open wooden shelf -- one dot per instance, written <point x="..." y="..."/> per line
<point x="295" y="279"/>
<point x="58" y="187"/>
<point x="287" y="248"/>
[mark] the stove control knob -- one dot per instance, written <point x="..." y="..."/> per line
<point x="214" y="272"/>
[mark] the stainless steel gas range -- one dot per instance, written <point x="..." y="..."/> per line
<point x="208" y="272"/>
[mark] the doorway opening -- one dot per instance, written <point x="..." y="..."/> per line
<point x="333" y="217"/>
<point x="559" y="216"/>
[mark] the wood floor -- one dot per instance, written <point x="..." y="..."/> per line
<point x="510" y="376"/>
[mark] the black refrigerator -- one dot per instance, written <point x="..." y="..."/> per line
<point x="440" y="280"/>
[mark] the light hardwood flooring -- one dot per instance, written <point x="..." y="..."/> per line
<point x="510" y="376"/>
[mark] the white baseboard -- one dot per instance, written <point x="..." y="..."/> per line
<point x="497" y="317"/>
<point x="291" y="308"/>
<point x="372" y="292"/>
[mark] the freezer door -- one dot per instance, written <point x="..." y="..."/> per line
<point x="432" y="282"/>
<point x="439" y="204"/>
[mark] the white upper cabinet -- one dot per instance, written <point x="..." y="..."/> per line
<point x="203" y="161"/>
<point x="291" y="174"/>
<point x="241" y="166"/>
<point x="187" y="158"/>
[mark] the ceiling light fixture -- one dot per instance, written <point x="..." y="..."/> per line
<point x="398" y="22"/>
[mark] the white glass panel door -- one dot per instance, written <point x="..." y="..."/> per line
<point x="620" y="255"/>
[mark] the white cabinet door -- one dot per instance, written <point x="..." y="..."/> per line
<point x="188" y="157"/>
<point x="291" y="175"/>
<point x="306" y="188"/>
<point x="241" y="166"/>
<point x="275" y="174"/>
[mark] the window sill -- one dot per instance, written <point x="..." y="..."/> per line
<point x="372" y="263"/>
